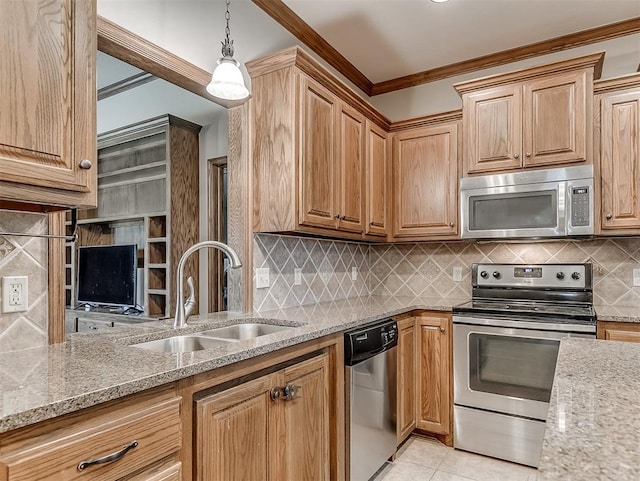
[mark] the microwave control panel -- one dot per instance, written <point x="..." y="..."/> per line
<point x="580" y="214"/>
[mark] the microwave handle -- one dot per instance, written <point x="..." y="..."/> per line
<point x="564" y="207"/>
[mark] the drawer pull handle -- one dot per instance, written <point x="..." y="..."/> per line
<point x="108" y="459"/>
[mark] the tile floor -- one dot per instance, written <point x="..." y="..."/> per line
<point x="425" y="459"/>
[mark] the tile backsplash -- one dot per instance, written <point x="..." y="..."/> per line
<point x="25" y="256"/>
<point x="426" y="269"/>
<point x="326" y="270"/>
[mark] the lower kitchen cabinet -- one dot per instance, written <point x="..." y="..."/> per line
<point x="138" y="434"/>
<point x="406" y="380"/>
<point x="270" y="428"/>
<point x="434" y="364"/>
<point x="619" y="331"/>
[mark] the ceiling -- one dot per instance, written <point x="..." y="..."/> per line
<point x="387" y="39"/>
<point x="147" y="100"/>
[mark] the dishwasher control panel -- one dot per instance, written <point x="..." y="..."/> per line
<point x="368" y="341"/>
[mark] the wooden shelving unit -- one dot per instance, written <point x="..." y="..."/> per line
<point x="148" y="195"/>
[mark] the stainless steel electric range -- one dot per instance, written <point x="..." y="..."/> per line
<point x="505" y="347"/>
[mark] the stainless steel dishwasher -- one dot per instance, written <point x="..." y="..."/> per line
<point x="370" y="371"/>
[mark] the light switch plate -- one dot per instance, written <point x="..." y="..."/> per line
<point x="297" y="276"/>
<point x="262" y="278"/>
<point x="636" y="278"/>
<point x="15" y="294"/>
<point x="457" y="274"/>
<point x="354" y="273"/>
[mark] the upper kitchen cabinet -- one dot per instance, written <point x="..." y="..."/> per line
<point x="317" y="149"/>
<point x="425" y="173"/>
<point x="533" y="118"/>
<point x="378" y="181"/>
<point x="617" y="142"/>
<point x="47" y="110"/>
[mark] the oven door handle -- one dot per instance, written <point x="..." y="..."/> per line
<point x="525" y="324"/>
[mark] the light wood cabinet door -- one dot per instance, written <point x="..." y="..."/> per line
<point x="620" y="160"/>
<point x="232" y="438"/>
<point x="493" y="129"/>
<point x="406" y="385"/>
<point x="425" y="165"/>
<point x="555" y="119"/>
<point x="618" y="331"/>
<point x="434" y="373"/>
<point x="317" y="138"/>
<point x="378" y="179"/>
<point x="303" y="427"/>
<point x="48" y="101"/>
<point x="242" y="434"/>
<point x="350" y="169"/>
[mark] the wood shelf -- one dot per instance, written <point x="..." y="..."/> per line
<point x="142" y="167"/>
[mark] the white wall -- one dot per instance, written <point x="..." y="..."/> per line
<point x="213" y="143"/>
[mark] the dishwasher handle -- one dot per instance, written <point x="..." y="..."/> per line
<point x="370" y="341"/>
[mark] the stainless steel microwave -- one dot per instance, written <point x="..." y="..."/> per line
<point x="528" y="204"/>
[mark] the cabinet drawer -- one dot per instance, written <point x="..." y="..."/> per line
<point x="171" y="471"/>
<point x="56" y="456"/>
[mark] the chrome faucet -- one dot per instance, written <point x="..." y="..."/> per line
<point x="184" y="310"/>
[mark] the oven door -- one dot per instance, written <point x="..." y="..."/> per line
<point x="531" y="210"/>
<point x="505" y="369"/>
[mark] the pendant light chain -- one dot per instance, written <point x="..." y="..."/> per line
<point x="227" y="82"/>
<point x="227" y="45"/>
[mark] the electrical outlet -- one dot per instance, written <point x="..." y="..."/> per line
<point x="636" y="278"/>
<point x="262" y="278"/>
<point x="15" y="294"/>
<point x="457" y="274"/>
<point x="297" y="276"/>
<point x="354" y="273"/>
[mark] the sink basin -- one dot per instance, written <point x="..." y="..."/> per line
<point x="179" y="344"/>
<point x="240" y="332"/>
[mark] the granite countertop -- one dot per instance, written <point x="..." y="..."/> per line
<point x="90" y="368"/>
<point x="593" y="426"/>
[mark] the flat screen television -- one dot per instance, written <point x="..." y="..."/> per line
<point x="107" y="275"/>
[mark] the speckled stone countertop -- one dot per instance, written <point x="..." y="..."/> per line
<point x="593" y="426"/>
<point x="617" y="314"/>
<point x="90" y="368"/>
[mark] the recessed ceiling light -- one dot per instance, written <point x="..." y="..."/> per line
<point x="439" y="1"/>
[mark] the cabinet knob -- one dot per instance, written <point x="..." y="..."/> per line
<point x="275" y="393"/>
<point x="442" y="330"/>
<point x="85" y="164"/>
<point x="291" y="391"/>
<point x="609" y="216"/>
<point x="337" y="217"/>
<point x="516" y="156"/>
<point x="371" y="223"/>
<point x="451" y="224"/>
<point x="343" y="217"/>
<point x="528" y="154"/>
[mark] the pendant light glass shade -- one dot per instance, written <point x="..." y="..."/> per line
<point x="227" y="81"/>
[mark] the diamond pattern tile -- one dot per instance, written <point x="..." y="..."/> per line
<point x="613" y="261"/>
<point x="25" y="256"/>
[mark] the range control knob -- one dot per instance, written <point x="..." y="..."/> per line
<point x="496" y="274"/>
<point x="560" y="275"/>
<point x="575" y="276"/>
<point x="484" y="274"/>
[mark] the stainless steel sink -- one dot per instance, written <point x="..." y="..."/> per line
<point x="240" y="332"/>
<point x="178" y="344"/>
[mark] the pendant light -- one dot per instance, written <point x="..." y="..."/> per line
<point x="227" y="81"/>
